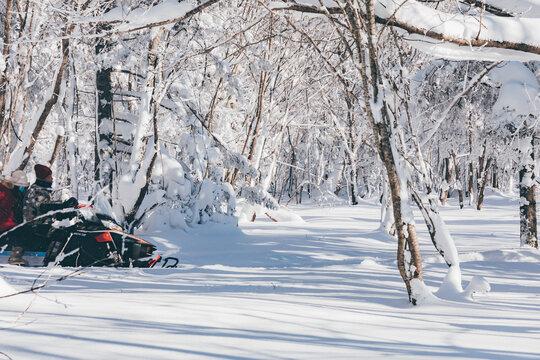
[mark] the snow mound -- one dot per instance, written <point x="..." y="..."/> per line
<point x="370" y="263"/>
<point x="523" y="255"/>
<point x="437" y="259"/>
<point x="422" y="293"/>
<point x="451" y="285"/>
<point x="477" y="285"/>
<point x="245" y="213"/>
<point x="6" y="288"/>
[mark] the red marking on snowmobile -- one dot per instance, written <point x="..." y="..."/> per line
<point x="132" y="237"/>
<point x="105" y="237"/>
<point x="154" y="261"/>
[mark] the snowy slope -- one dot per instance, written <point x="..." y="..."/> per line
<point x="325" y="287"/>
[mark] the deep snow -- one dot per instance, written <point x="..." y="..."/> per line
<point x="322" y="287"/>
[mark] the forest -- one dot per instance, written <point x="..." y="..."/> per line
<point x="183" y="109"/>
<point x="336" y="179"/>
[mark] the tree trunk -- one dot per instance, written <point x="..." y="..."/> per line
<point x="56" y="150"/>
<point x="495" y="176"/>
<point x="150" y="106"/>
<point x="3" y="75"/>
<point x="480" y="177"/>
<point x="447" y="180"/>
<point x="71" y="142"/>
<point x="470" y="184"/>
<point x="458" y="182"/>
<point x="527" y="202"/>
<point x="104" y="99"/>
<point x="410" y="268"/>
<point x="103" y="150"/>
<point x="485" y="179"/>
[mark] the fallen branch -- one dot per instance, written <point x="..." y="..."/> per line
<point x="271" y="218"/>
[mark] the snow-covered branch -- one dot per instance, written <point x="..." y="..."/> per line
<point x="449" y="35"/>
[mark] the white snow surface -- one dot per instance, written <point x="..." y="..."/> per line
<point x="323" y="286"/>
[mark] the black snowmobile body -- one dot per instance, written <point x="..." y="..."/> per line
<point x="93" y="240"/>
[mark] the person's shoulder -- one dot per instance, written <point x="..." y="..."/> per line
<point x="32" y="189"/>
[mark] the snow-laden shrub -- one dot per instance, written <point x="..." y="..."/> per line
<point x="256" y="195"/>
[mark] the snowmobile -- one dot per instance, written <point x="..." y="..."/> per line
<point x="84" y="237"/>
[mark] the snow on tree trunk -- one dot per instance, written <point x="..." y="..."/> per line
<point x="71" y="142"/>
<point x="104" y="97"/>
<point x="447" y="179"/>
<point x="140" y="170"/>
<point x="527" y="198"/>
<point x="458" y="180"/>
<point x="484" y="178"/>
<point x="519" y="105"/>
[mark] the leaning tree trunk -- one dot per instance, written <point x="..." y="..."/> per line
<point x="438" y="232"/>
<point x="527" y="201"/>
<point x="149" y="111"/>
<point x="408" y="253"/>
<point x="47" y="107"/>
<point x="410" y="266"/>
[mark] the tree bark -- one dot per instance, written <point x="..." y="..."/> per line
<point x="56" y="150"/>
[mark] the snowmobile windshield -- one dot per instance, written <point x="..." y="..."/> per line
<point x="103" y="207"/>
<point x="101" y="212"/>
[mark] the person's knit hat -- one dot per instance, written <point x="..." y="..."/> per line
<point x="18" y="178"/>
<point x="42" y="171"/>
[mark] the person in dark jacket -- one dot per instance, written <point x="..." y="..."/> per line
<point x="38" y="198"/>
<point x="37" y="201"/>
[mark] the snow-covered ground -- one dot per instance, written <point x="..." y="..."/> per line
<point x="322" y="287"/>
